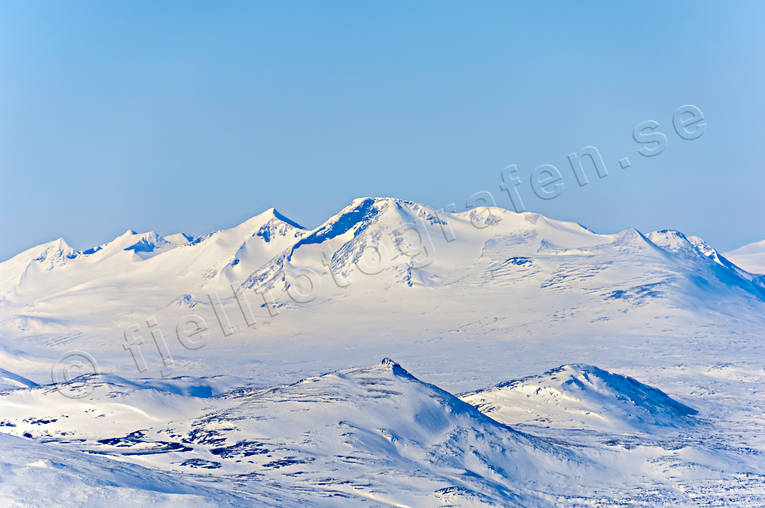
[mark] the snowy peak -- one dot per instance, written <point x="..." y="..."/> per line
<point x="180" y="239"/>
<point x="277" y="225"/>
<point x="42" y="258"/>
<point x="670" y="240"/>
<point x="143" y="245"/>
<point x="581" y="396"/>
<point x="233" y="254"/>
<point x="354" y="217"/>
<point x="677" y="243"/>
<point x="50" y="251"/>
<point x="707" y="250"/>
<point x="269" y="216"/>
<point x="148" y="244"/>
<point x="268" y="227"/>
<point x="56" y="249"/>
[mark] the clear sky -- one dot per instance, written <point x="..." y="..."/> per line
<point x="192" y="116"/>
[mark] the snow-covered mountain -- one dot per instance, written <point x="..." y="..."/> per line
<point x="372" y="244"/>
<point x="750" y="257"/>
<point x="192" y="351"/>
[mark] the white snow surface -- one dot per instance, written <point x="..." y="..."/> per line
<point x="242" y="367"/>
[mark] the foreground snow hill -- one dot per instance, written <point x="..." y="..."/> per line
<point x="377" y="434"/>
<point x="366" y="436"/>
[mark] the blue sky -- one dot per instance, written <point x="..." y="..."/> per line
<point x="183" y="116"/>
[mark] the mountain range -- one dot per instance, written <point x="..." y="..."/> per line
<point x="381" y="243"/>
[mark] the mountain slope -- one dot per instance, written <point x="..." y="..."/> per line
<point x="750" y="257"/>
